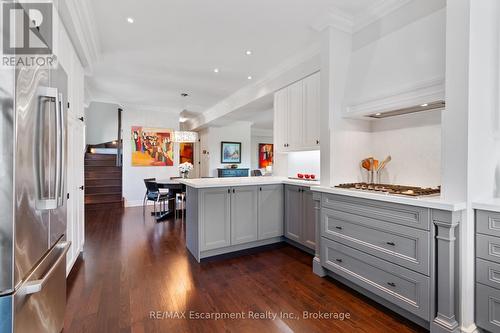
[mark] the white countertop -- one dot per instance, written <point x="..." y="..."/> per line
<point x="491" y="204"/>
<point x="244" y="181"/>
<point x="435" y="202"/>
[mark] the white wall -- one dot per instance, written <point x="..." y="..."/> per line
<point x="254" y="151"/>
<point x="414" y="142"/>
<point x="133" y="177"/>
<point x="305" y="162"/>
<point x="102" y="122"/>
<point x="211" y="139"/>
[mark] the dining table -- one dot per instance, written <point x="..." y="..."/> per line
<point x="173" y="186"/>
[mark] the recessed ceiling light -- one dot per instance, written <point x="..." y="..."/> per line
<point x="424" y="105"/>
<point x="216" y="70"/>
<point x="130" y="20"/>
<point x="378" y="114"/>
<point x="248" y="52"/>
<point x="249" y="77"/>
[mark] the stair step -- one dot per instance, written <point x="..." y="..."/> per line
<point x="100" y="163"/>
<point x="103" y="168"/>
<point x="107" y="206"/>
<point x="103" y="175"/>
<point x="89" y="182"/>
<point x="102" y="198"/>
<point x="103" y="189"/>
<point x="89" y="156"/>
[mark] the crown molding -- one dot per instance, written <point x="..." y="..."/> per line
<point x="335" y="18"/>
<point x="377" y="11"/>
<point x="77" y="17"/>
<point x="339" y="19"/>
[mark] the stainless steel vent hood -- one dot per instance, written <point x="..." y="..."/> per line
<point x="438" y="105"/>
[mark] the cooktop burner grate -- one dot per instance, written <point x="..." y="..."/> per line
<point x="410" y="191"/>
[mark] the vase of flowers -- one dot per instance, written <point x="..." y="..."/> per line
<point x="185" y="168"/>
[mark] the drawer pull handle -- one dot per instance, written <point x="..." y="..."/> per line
<point x="392" y="284"/>
<point x="338" y="260"/>
<point x="340" y="228"/>
<point x="391" y="243"/>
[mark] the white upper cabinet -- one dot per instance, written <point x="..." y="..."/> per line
<point x="281" y="119"/>
<point x="311" y="111"/>
<point x="297" y="112"/>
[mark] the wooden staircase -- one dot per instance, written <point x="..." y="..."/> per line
<point x="103" y="182"/>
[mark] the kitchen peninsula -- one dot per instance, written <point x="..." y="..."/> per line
<point x="225" y="215"/>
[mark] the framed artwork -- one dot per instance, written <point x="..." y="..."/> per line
<point x="152" y="146"/>
<point x="266" y="155"/>
<point x="230" y="152"/>
<point x="186" y="153"/>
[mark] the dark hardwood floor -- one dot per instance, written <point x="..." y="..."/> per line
<point x="132" y="268"/>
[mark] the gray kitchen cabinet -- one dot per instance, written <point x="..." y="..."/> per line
<point x="488" y="270"/>
<point x="299" y="216"/>
<point x="405" y="246"/>
<point x="215" y="218"/>
<point x="403" y="287"/>
<point x="293" y="212"/>
<point x="244" y="214"/>
<point x="271" y="211"/>
<point x="488" y="308"/>
<point x="308" y="225"/>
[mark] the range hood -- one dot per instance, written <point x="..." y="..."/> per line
<point x="439" y="105"/>
<point x="400" y="73"/>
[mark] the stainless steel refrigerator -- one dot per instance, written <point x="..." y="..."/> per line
<point x="33" y="246"/>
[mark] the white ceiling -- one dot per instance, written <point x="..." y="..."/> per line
<point x="260" y="113"/>
<point x="174" y="45"/>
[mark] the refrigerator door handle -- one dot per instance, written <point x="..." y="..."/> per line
<point x="49" y="203"/>
<point x="62" y="154"/>
<point x="36" y="286"/>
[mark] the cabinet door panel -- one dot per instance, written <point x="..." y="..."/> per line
<point x="244" y="214"/>
<point x="281" y="119"/>
<point x="271" y="208"/>
<point x="215" y="218"/>
<point x="295" y="116"/>
<point x="293" y="212"/>
<point x="311" y="111"/>
<point x="308" y="220"/>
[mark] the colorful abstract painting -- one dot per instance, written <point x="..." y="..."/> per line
<point x="186" y="152"/>
<point x="152" y="147"/>
<point x="266" y="155"/>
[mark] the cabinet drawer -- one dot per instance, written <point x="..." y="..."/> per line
<point x="416" y="217"/>
<point x="488" y="273"/>
<point x="400" y="286"/>
<point x="405" y="246"/>
<point x="488" y="223"/>
<point x="488" y="247"/>
<point x="487" y="308"/>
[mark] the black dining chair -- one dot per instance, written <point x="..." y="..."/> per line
<point x="144" y="201"/>
<point x="154" y="194"/>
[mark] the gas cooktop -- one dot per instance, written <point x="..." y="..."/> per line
<point x="410" y="191"/>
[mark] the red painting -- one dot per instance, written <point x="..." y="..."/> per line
<point x="266" y="155"/>
<point x="186" y="152"/>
